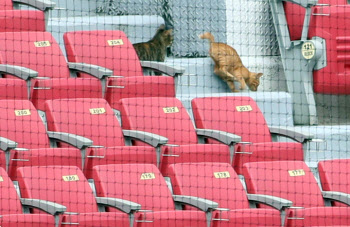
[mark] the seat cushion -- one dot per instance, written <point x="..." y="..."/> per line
<point x="105" y="219"/>
<point x="193" y="153"/>
<point x="247" y="217"/>
<point x="172" y="218"/>
<point x="28" y="220"/>
<point x="274" y="151"/>
<point x="318" y="216"/>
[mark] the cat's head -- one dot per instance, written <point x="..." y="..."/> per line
<point x="165" y="35"/>
<point x="253" y="81"/>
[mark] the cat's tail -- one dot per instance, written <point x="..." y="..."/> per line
<point x="207" y="35"/>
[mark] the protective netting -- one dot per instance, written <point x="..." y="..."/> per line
<point x="174" y="113"/>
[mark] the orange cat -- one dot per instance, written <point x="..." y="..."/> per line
<point x="229" y="67"/>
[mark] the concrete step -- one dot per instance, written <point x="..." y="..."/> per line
<point x="200" y="78"/>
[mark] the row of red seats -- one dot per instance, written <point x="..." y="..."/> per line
<point x="91" y="126"/>
<point x="37" y="58"/>
<point x="142" y="197"/>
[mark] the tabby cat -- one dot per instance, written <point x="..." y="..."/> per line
<point x="155" y="49"/>
<point x="229" y="67"/>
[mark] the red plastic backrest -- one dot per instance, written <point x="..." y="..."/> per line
<point x="334" y="175"/>
<point x="214" y="181"/>
<point x="140" y="183"/>
<point x="6" y="5"/>
<point x="238" y="115"/>
<point x="13" y="89"/>
<point x="109" y="49"/>
<point x="20" y="122"/>
<point x="91" y="118"/>
<point x="290" y="180"/>
<point x="64" y="88"/>
<point x="38" y="51"/>
<point x="163" y="116"/>
<point x="9" y="200"/>
<point x="65" y="185"/>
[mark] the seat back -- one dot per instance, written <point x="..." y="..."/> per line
<point x="290" y="180"/>
<point x="65" y="88"/>
<point x="163" y="116"/>
<point x="20" y="122"/>
<point x="334" y="175"/>
<point x="38" y="51"/>
<point x="109" y="49"/>
<point x="214" y="181"/>
<point x="9" y="200"/>
<point x="140" y="183"/>
<point x="238" y="115"/>
<point x="65" y="185"/>
<point x="91" y="118"/>
<point x="13" y="89"/>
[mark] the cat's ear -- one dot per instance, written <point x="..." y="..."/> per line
<point x="259" y="75"/>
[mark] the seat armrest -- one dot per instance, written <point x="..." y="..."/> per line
<point x="79" y="142"/>
<point x="42" y="5"/>
<point x="18" y="71"/>
<point x="297" y="135"/>
<point x="273" y="201"/>
<point x="163" y="68"/>
<point x="47" y="206"/>
<point x="94" y="70"/>
<point x="6" y="144"/>
<point x="221" y="136"/>
<point x="121" y="204"/>
<point x="303" y="3"/>
<point x="200" y="203"/>
<point x="337" y="196"/>
<point x="152" y="139"/>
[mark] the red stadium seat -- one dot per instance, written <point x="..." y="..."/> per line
<point x="95" y="119"/>
<point x="11" y="208"/>
<point x="67" y="185"/>
<point x="39" y="52"/>
<point x="294" y="181"/>
<point x="334" y="78"/>
<point x="168" y="117"/>
<point x="113" y="50"/>
<point x="334" y="176"/>
<point x="242" y="116"/>
<point x="20" y="122"/>
<point x="145" y="185"/>
<point x="220" y="183"/>
<point x="23" y="20"/>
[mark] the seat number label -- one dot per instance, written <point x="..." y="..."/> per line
<point x="42" y="44"/>
<point x="246" y="108"/>
<point x="296" y="173"/>
<point x="115" y="42"/>
<point x="148" y="176"/>
<point x="222" y="174"/>
<point x="97" y="111"/>
<point x="308" y="50"/>
<point x="19" y="113"/>
<point x="171" y="109"/>
<point x="70" y="178"/>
